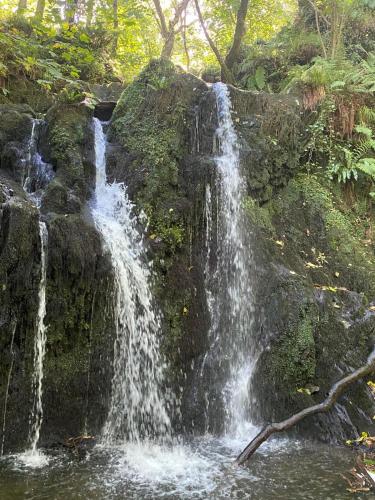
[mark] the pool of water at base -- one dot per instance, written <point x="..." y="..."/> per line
<point x="200" y="469"/>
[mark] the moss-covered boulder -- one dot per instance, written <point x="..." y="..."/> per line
<point x="68" y="146"/>
<point x="15" y="131"/>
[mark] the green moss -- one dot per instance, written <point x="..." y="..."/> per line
<point x="67" y="137"/>
<point x="15" y="123"/>
<point x="149" y="122"/>
<point x="334" y="229"/>
<point x="293" y="360"/>
<point x="259" y="215"/>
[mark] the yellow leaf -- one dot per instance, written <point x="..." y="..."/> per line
<point x="280" y="243"/>
<point x="304" y="390"/>
<point x="337" y="274"/>
<point x="185" y="310"/>
<point x="310" y="265"/>
<point x="152" y="236"/>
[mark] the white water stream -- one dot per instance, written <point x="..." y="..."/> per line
<point x="33" y="456"/>
<point x="39" y="174"/>
<point x="229" y="280"/>
<point x="140" y="403"/>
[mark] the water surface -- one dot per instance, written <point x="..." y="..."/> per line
<point x="282" y="469"/>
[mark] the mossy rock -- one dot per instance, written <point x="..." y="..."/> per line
<point x="317" y="284"/>
<point x="69" y="147"/>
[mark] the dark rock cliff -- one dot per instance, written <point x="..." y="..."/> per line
<point x="313" y="274"/>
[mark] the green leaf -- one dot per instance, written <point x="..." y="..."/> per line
<point x="260" y="77"/>
<point x="84" y="38"/>
<point x="361" y="129"/>
<point x="367" y="166"/>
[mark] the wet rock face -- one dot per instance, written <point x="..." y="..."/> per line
<point x="19" y="280"/>
<point x="162" y="143"/>
<point x="270" y="131"/>
<point x="15" y="130"/>
<point x="315" y="321"/>
<point x="293" y="222"/>
<point x="151" y="149"/>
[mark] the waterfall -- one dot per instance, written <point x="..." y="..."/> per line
<point x="39" y="345"/>
<point x="229" y="287"/>
<point x="140" y="402"/>
<point x="39" y="174"/>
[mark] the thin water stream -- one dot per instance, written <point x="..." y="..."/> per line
<point x="229" y="279"/>
<point x="39" y="174"/>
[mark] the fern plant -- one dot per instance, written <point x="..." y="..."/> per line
<point x="348" y="162"/>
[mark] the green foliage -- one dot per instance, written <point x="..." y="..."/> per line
<point x="49" y="57"/>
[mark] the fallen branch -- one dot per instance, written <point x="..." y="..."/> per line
<point x="325" y="406"/>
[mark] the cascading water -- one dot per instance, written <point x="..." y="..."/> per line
<point x="229" y="280"/>
<point x="149" y="463"/>
<point x="39" y="174"/>
<point x="140" y="404"/>
<point x="39" y="346"/>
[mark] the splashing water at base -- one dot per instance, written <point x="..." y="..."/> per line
<point x="199" y="470"/>
<point x="140" y="403"/>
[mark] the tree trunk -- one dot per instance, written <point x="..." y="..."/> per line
<point x="115" y="27"/>
<point x="89" y="13"/>
<point x="161" y="17"/>
<point x="226" y="73"/>
<point x="168" y="47"/>
<point x="333" y="395"/>
<point x="22" y="6"/>
<point x="169" y="33"/>
<point x="39" y="11"/>
<point x="70" y="11"/>
<point x="239" y="33"/>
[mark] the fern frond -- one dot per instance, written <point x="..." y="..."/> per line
<point x="362" y="148"/>
<point x="366" y="115"/>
